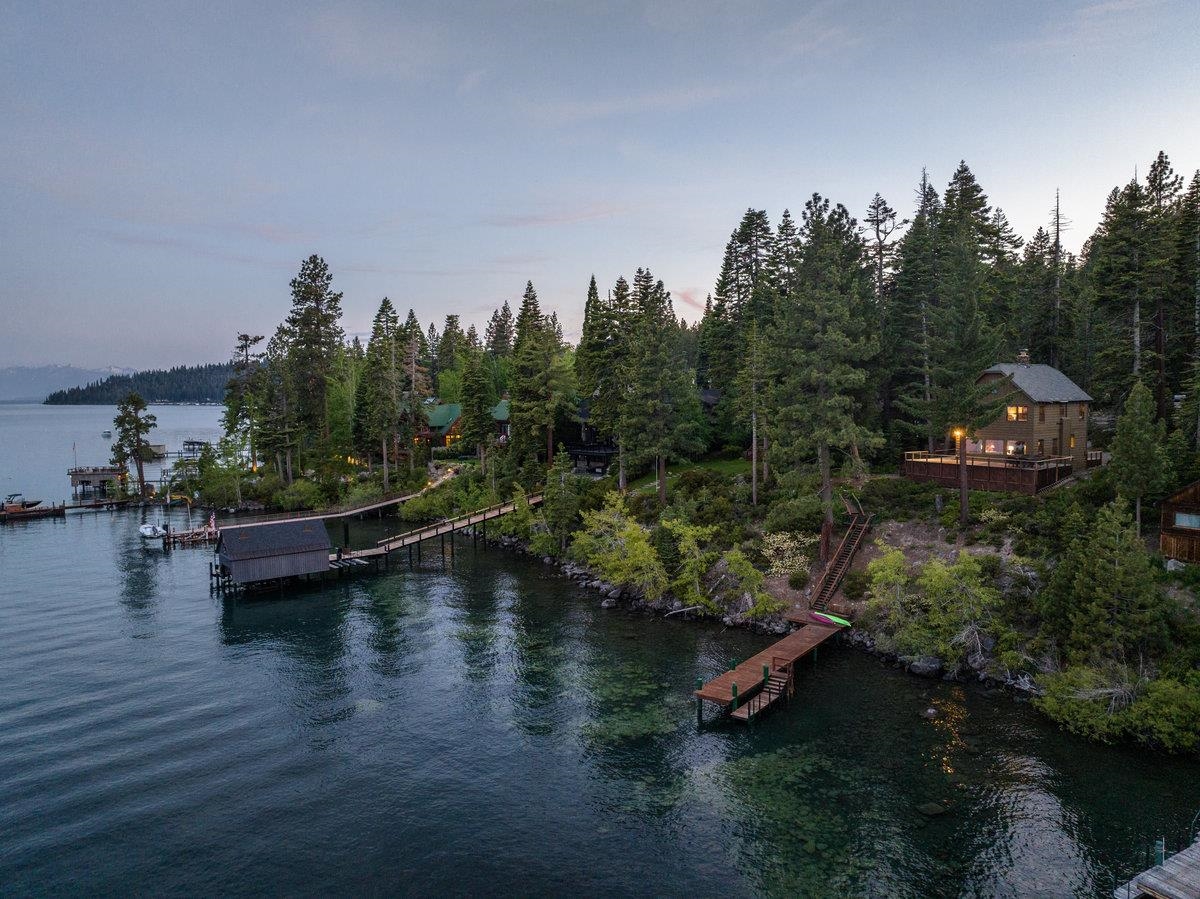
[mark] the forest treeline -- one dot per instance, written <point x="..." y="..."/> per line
<point x="181" y="384"/>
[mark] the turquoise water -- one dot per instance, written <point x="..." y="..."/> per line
<point x="479" y="725"/>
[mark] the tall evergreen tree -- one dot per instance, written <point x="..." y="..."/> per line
<point x="660" y="418"/>
<point x="1139" y="466"/>
<point x="820" y="348"/>
<point x="131" y="425"/>
<point x="314" y="335"/>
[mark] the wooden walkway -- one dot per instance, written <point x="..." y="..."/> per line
<point x="1178" y="877"/>
<point x="439" y="529"/>
<point x="836" y="570"/>
<point x="343" y="512"/>
<point x="748" y="676"/>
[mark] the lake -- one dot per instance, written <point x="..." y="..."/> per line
<point x="481" y="725"/>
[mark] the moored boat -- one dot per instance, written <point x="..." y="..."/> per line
<point x="152" y="531"/>
<point x="17" y="503"/>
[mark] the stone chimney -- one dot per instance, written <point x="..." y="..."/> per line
<point x="1023" y="357"/>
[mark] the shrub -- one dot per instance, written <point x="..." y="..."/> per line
<point x="855" y="584"/>
<point x="619" y="549"/>
<point x="792" y="515"/>
<point x="302" y="494"/>
<point x="798" y="580"/>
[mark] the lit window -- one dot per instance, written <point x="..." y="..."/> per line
<point x="993" y="446"/>
<point x="1082" y="411"/>
<point x="1018" y="413"/>
<point x="1041" y="447"/>
<point x="1014" y="448"/>
<point x="1189" y="520"/>
<point x="1071" y="442"/>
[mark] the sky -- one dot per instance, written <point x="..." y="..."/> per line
<point x="165" y="167"/>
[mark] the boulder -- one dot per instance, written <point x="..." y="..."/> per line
<point x="1175" y="565"/>
<point x="930" y="713"/>
<point x="925" y="666"/>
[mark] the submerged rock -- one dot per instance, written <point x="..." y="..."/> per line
<point x="930" y="713"/>
<point x="932" y="809"/>
<point x="925" y="666"/>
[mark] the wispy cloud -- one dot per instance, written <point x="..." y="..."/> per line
<point x="817" y="32"/>
<point x="572" y="111"/>
<point x="1093" y="25"/>
<point x="689" y="296"/>
<point x="184" y="245"/>
<point x="559" y="216"/>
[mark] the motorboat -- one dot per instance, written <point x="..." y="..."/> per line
<point x="152" y="531"/>
<point x="106" y="433"/>
<point x="15" y="503"/>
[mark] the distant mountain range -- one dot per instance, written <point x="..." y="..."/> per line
<point x="32" y="384"/>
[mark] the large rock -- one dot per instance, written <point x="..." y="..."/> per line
<point x="1175" y="565"/>
<point x="925" y="666"/>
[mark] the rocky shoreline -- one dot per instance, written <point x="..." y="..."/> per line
<point x="930" y="667"/>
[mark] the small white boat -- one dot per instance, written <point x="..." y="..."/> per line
<point x="106" y="433"/>
<point x="152" y="531"/>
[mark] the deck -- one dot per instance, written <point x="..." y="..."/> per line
<point x="1178" y="877"/>
<point x="1006" y="474"/>
<point x="748" y="676"/>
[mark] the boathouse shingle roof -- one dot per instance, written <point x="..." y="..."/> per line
<point x="1041" y="383"/>
<point x="282" y="538"/>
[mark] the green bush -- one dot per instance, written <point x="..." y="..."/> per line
<point x="302" y="494"/>
<point x="898" y="498"/>
<point x="798" y="580"/>
<point x="801" y="515"/>
<point x="855" y="584"/>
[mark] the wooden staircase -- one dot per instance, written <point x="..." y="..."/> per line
<point x="841" y="561"/>
<point x="778" y="685"/>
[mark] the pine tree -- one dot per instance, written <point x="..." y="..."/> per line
<point x="752" y="384"/>
<point x="1116" y="609"/>
<point x="542" y="384"/>
<point x="238" y="420"/>
<point x="561" y="502"/>
<point x="906" y="340"/>
<point x="449" y="345"/>
<point x="820" y="348"/>
<point x="660" y="417"/>
<point x="499" y="336"/>
<point x="314" y="336"/>
<point x="377" y="398"/>
<point x="1139" y="465"/>
<point x="881" y="222"/>
<point x="417" y="388"/>
<point x="131" y="426"/>
<point x="476" y="424"/>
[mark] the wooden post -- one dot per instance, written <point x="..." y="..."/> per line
<point x="733" y="690"/>
<point x="964" y="506"/>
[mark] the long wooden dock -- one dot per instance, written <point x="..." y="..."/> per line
<point x="439" y="529"/>
<point x="733" y="688"/>
<point x="342" y="511"/>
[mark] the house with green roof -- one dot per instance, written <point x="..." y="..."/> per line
<point x="442" y="422"/>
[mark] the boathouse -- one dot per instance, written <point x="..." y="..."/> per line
<point x="266" y="552"/>
<point x="1179" y="532"/>
<point x="1038" y="440"/>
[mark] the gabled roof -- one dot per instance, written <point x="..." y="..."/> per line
<point x="282" y="538"/>
<point x="443" y="416"/>
<point x="500" y="410"/>
<point x="1041" y="383"/>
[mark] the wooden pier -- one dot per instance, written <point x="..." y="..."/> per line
<point x="1174" y="877"/>
<point x="769" y="672"/>
<point x="439" y="529"/>
<point x="341" y="511"/>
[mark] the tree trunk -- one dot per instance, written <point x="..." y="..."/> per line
<point x="550" y="446"/>
<point x="1137" y="515"/>
<point x="141" y="472"/>
<point x="288" y="458"/>
<point x="766" y="460"/>
<point x="754" y="458"/>
<point x="662" y="480"/>
<point x="1137" y="333"/>
<point x="826" y="499"/>
<point x="925" y="377"/>
<point x="386" y="483"/>
<point x="622" y="484"/>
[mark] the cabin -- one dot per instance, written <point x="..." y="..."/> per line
<point x="1038" y="440"/>
<point x="442" y="423"/>
<point x="99" y="480"/>
<point x="1179" y="530"/>
<point x="250" y="554"/>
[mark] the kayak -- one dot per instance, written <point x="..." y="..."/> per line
<point x="827" y="618"/>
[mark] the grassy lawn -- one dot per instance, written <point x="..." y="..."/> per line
<point x="726" y="467"/>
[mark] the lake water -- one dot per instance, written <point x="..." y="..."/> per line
<point x="479" y="725"/>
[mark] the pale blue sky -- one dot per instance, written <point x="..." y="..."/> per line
<point x="164" y="167"/>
